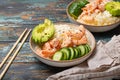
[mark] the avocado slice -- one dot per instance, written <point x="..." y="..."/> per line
<point x="43" y="32"/>
<point x="113" y="7"/>
<point x="48" y="32"/>
<point x="36" y="33"/>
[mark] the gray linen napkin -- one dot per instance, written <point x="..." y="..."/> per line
<point x="103" y="65"/>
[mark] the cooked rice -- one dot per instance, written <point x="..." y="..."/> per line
<point x="59" y="29"/>
<point x="101" y="19"/>
<point x="106" y="18"/>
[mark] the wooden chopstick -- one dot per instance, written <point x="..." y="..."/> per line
<point x="14" y="55"/>
<point x="11" y="50"/>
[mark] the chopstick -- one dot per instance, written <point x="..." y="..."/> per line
<point x="16" y="52"/>
<point x="11" y="50"/>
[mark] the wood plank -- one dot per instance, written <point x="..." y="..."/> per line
<point x="25" y="54"/>
<point x="36" y="19"/>
<point x="35" y="71"/>
<point x="32" y="11"/>
<point x="30" y="71"/>
<point x="10" y="33"/>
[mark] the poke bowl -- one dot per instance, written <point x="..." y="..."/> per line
<point x="65" y="52"/>
<point x="94" y="14"/>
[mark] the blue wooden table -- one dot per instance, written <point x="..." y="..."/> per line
<point x="15" y="16"/>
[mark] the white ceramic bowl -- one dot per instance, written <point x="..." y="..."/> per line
<point x="91" y="27"/>
<point x="66" y="63"/>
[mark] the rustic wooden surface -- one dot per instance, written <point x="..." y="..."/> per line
<point x="15" y="16"/>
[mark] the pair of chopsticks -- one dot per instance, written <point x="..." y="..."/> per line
<point x="22" y="37"/>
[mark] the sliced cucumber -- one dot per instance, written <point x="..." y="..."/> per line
<point x="58" y="56"/>
<point x="67" y="52"/>
<point x="88" y="46"/>
<point x="82" y="48"/>
<point x="72" y="54"/>
<point x="86" y="49"/>
<point x="76" y="52"/>
<point x="64" y="56"/>
<point x="79" y="51"/>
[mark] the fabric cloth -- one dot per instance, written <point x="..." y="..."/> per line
<point x="102" y="65"/>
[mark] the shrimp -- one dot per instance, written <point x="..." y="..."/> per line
<point x="88" y="9"/>
<point x="46" y="46"/>
<point x="101" y="5"/>
<point x="50" y="47"/>
<point x="88" y="19"/>
<point x="78" y="34"/>
<point x="55" y="43"/>
<point x="83" y="40"/>
<point x="82" y="29"/>
<point x="74" y="38"/>
<point x="66" y="40"/>
<point x="47" y="53"/>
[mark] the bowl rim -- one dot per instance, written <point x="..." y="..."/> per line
<point x="63" y="61"/>
<point x="83" y="23"/>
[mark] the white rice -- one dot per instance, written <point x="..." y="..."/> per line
<point x="61" y="28"/>
<point x="101" y="19"/>
<point x="105" y="18"/>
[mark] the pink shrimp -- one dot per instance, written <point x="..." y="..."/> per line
<point x="55" y="43"/>
<point x="66" y="40"/>
<point x="47" y="53"/>
<point x="83" y="40"/>
<point x="50" y="47"/>
<point x="76" y="35"/>
<point x="74" y="38"/>
<point x="46" y="46"/>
